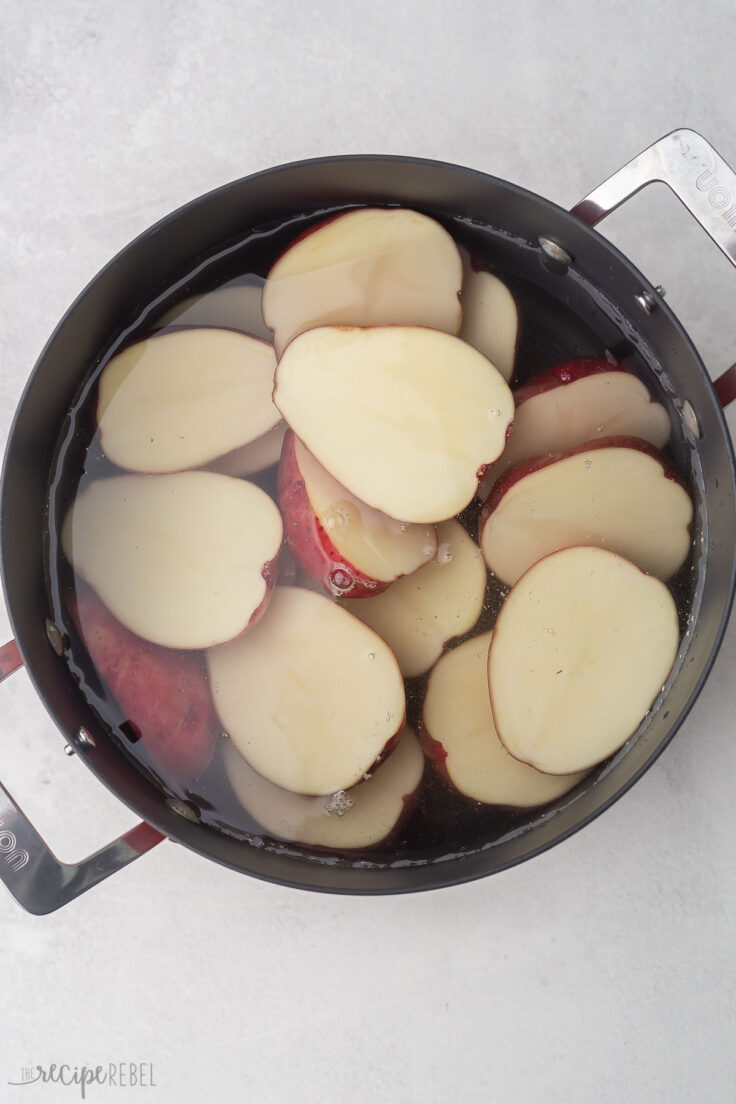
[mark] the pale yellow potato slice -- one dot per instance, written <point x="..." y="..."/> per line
<point x="582" y="647"/>
<point x="178" y="400"/>
<point x="367" y="267"/>
<point x="605" y="404"/>
<point x="181" y="560"/>
<point x="490" y="319"/>
<point x="254" y="457"/>
<point x="311" y="696"/>
<point x="360" y="817"/>
<point x="417" y="615"/>
<point x="404" y="417"/>
<point x="234" y="305"/>
<point x="377" y="545"/>
<point x="618" y="497"/>
<point x="462" y="737"/>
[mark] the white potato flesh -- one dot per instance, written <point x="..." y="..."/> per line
<point x="256" y="456"/>
<point x="417" y="615"/>
<point x="310" y="696"/>
<point x="402" y="416"/>
<point x="377" y="545"/>
<point x="457" y="715"/>
<point x="234" y="305"/>
<point x="582" y="647"/>
<point x="180" y="399"/>
<point x="367" y="267"/>
<point x="178" y="559"/>
<point x="616" y="497"/>
<point x="360" y="817"/>
<point x="490" y="319"/>
<point x="605" y="404"/>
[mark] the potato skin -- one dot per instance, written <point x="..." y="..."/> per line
<point x="536" y="463"/>
<point x="567" y="372"/>
<point x="307" y="540"/>
<point x="163" y="693"/>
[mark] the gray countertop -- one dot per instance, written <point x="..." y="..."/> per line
<point x="602" y="970"/>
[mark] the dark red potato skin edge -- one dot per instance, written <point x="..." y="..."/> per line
<point x="527" y="467"/>
<point x="306" y="539"/>
<point x="162" y="692"/>
<point x="568" y="371"/>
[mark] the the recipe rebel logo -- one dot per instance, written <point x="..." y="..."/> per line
<point x="116" y="1075"/>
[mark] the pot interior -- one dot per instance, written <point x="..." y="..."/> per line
<point x="576" y="310"/>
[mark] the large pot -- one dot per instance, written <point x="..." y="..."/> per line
<point x="555" y="248"/>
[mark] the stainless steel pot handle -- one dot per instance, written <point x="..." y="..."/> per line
<point x="36" y="878"/>
<point x="699" y="177"/>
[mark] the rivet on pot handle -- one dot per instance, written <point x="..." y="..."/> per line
<point x="699" y="177"/>
<point x="35" y="877"/>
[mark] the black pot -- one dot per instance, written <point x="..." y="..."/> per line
<point x="554" y="248"/>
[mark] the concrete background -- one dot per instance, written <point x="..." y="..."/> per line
<point x="603" y="970"/>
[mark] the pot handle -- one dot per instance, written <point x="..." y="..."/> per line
<point x="699" y="177"/>
<point x="39" y="882"/>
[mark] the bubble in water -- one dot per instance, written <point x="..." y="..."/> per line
<point x="444" y="554"/>
<point x="404" y="527"/>
<point x="339" y="804"/>
<point x="340" y="582"/>
<point x="588" y="463"/>
<point x="370" y="655"/>
<point x="387" y="715"/>
<point x="552" y="632"/>
<point x="336" y="517"/>
<point x="428" y="550"/>
<point x="495" y="413"/>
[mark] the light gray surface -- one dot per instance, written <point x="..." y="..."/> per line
<point x="603" y="970"/>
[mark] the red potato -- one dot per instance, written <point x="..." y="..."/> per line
<point x="460" y="739"/>
<point x="234" y="305"/>
<point x="490" y="316"/>
<point x="367" y="267"/>
<point x="418" y="614"/>
<point x="618" y="492"/>
<point x="182" y="398"/>
<point x="346" y="546"/>
<point x="582" y="647"/>
<point x="363" y="816"/>
<point x="310" y="697"/>
<point x="164" y="694"/>
<point x="576" y="402"/>
<point x="406" y="418"/>
<point x="254" y="457"/>
<point x="186" y="560"/>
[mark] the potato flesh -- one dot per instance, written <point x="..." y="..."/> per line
<point x="419" y="613"/>
<point x="582" y="647"/>
<point x="178" y="400"/>
<point x="310" y="696"/>
<point x="402" y="416"/>
<point x="254" y="457"/>
<point x="606" y="404"/>
<point x="235" y="305"/>
<point x="616" y="497"/>
<point x="377" y="545"/>
<point x="178" y="559"/>
<point x="457" y="714"/>
<point x="490" y="319"/>
<point x="360" y="817"/>
<point x="369" y="267"/>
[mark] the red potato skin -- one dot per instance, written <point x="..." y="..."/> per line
<point x="435" y="753"/>
<point x="526" y="467"/>
<point x="163" y="693"/>
<point x="307" y="540"/>
<point x="567" y="372"/>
